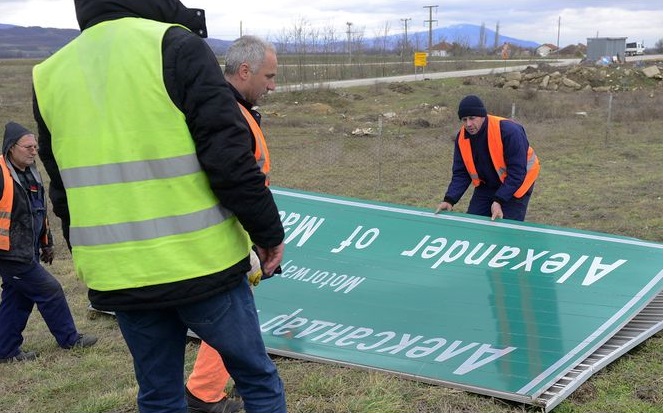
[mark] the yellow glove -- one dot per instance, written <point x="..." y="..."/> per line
<point x="255" y="273"/>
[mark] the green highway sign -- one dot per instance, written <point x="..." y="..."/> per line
<point x="496" y="307"/>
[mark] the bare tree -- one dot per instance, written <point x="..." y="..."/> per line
<point x="420" y="41"/>
<point x="282" y="40"/>
<point x="299" y="47"/>
<point x="482" y="42"/>
<point x="381" y="39"/>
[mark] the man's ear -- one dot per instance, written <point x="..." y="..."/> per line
<point x="244" y="71"/>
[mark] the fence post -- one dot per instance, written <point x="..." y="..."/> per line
<point x="608" y="120"/>
<point x="380" y="153"/>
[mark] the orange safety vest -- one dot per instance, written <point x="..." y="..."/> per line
<point x="260" y="152"/>
<point x="497" y="157"/>
<point x="6" y="203"/>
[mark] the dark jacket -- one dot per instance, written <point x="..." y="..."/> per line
<point x="195" y="83"/>
<point x="28" y="228"/>
<point x="515" y="149"/>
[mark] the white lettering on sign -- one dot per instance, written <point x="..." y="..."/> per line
<point x="407" y="345"/>
<point x="512" y="258"/>
<point x="338" y="282"/>
<point x="363" y="241"/>
<point x="297" y="226"/>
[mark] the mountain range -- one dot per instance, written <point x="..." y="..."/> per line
<point x="38" y="42"/>
<point x="465" y="34"/>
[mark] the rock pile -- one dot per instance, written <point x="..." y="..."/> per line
<point x="584" y="77"/>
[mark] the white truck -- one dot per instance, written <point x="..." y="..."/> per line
<point x="634" y="48"/>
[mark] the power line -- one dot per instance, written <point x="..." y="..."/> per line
<point x="405" y="36"/>
<point x="430" y="21"/>
<point x="350" y="58"/>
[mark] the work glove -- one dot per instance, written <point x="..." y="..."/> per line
<point x="47" y="254"/>
<point x="255" y="274"/>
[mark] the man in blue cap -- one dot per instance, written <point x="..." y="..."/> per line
<point x="494" y="155"/>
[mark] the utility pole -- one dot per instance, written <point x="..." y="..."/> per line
<point x="405" y="37"/>
<point x="350" y="56"/>
<point x="558" y="41"/>
<point x="430" y="21"/>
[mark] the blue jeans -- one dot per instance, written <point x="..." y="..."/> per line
<point x="229" y="323"/>
<point x="25" y="285"/>
<point x="480" y="204"/>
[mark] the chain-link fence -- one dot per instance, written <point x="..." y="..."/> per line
<point x="379" y="161"/>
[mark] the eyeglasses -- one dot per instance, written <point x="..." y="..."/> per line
<point x="29" y="147"/>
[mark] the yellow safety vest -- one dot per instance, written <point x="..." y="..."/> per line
<point x="142" y="211"/>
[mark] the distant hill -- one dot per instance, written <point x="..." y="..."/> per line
<point x="32" y="42"/>
<point x="470" y="34"/>
<point x="465" y="34"/>
<point x="38" y="42"/>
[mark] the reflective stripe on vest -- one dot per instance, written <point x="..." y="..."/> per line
<point x="6" y="204"/>
<point x="142" y="210"/>
<point x="261" y="153"/>
<point x="495" y="142"/>
<point x="141" y="230"/>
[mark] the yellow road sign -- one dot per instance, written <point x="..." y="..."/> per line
<point x="420" y="59"/>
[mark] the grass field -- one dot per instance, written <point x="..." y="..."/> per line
<point x="393" y="142"/>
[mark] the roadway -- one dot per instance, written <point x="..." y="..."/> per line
<point x="441" y="75"/>
<point x="419" y="76"/>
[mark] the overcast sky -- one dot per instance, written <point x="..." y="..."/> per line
<point x="539" y="21"/>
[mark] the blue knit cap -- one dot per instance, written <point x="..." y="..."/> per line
<point x="471" y="105"/>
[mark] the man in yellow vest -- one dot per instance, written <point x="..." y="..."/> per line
<point x="494" y="155"/>
<point x="160" y="195"/>
<point x="250" y="70"/>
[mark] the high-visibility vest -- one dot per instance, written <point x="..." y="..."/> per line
<point x="142" y="210"/>
<point x="6" y="204"/>
<point x="497" y="157"/>
<point x="260" y="152"/>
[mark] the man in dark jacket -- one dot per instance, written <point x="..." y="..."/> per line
<point x="494" y="155"/>
<point x="250" y="70"/>
<point x="25" y="282"/>
<point x="153" y="176"/>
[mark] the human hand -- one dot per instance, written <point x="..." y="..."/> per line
<point x="47" y="255"/>
<point x="496" y="211"/>
<point x="443" y="206"/>
<point x="270" y="259"/>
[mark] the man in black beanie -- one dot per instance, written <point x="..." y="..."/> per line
<point x="25" y="282"/>
<point x="494" y="155"/>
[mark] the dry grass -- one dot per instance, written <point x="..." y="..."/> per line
<point x="596" y="176"/>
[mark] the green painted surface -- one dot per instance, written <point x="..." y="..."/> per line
<point x="502" y="307"/>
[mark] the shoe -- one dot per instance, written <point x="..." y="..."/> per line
<point x="21" y="356"/>
<point x="225" y="405"/>
<point x="84" y="340"/>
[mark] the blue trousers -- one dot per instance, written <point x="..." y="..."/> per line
<point x="23" y="286"/>
<point x="480" y="204"/>
<point x="229" y="323"/>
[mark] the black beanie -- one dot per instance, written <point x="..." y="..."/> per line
<point x="471" y="105"/>
<point x="13" y="132"/>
